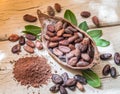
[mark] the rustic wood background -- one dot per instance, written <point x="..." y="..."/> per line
<point x="11" y="21"/>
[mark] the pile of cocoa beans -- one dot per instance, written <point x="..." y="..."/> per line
<point x="69" y="44"/>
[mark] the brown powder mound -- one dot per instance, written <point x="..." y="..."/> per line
<point x="32" y="71"/>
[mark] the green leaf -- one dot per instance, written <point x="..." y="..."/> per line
<point x="83" y="26"/>
<point x="69" y="15"/>
<point x="95" y="34"/>
<point x="35" y="30"/>
<point x="92" y="78"/>
<point x="102" y="42"/>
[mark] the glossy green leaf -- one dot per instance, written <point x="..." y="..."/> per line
<point x="83" y="26"/>
<point x="35" y="30"/>
<point x="69" y="15"/>
<point x="95" y="34"/>
<point x="102" y="42"/>
<point x="92" y="78"/>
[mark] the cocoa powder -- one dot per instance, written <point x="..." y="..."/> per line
<point x="32" y="71"/>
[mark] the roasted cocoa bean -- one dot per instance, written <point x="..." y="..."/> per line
<point x="50" y="34"/>
<point x="78" y="40"/>
<point x="60" y="32"/>
<point x="52" y="44"/>
<point x="80" y="86"/>
<point x="56" y="39"/>
<point x="105" y="56"/>
<point x="77" y="53"/>
<point x="28" y="49"/>
<point x="72" y="29"/>
<point x="63" y="90"/>
<point x="67" y="35"/>
<point x="58" y="26"/>
<point x="65" y="25"/>
<point x="85" y="14"/>
<point x="46" y="37"/>
<point x="51" y="28"/>
<point x="82" y="63"/>
<point x="106" y="70"/>
<point x="57" y="79"/>
<point x="83" y="47"/>
<point x="117" y="58"/>
<point x="29" y="18"/>
<point x="16" y="48"/>
<point x="95" y="20"/>
<point x="70" y="82"/>
<point x="70" y="54"/>
<point x="50" y="11"/>
<point x="30" y="37"/>
<point x="85" y="56"/>
<point x="113" y="72"/>
<point x="73" y="38"/>
<point x="71" y="46"/>
<point x="86" y="41"/>
<point x="68" y="31"/>
<point x="13" y="38"/>
<point x="57" y="52"/>
<point x="80" y="79"/>
<point x="65" y="77"/>
<point x="64" y="42"/>
<point x="57" y="7"/>
<point x="64" y="49"/>
<point x="38" y="45"/>
<point x="30" y="43"/>
<point x="55" y="88"/>
<point x="22" y="40"/>
<point x="90" y="51"/>
<point x="73" y="61"/>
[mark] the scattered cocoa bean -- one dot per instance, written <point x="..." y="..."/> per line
<point x="70" y="82"/>
<point x="55" y="88"/>
<point x="113" y="72"/>
<point x="60" y="32"/>
<point x="57" y="52"/>
<point x="85" y="14"/>
<point x="106" y="70"/>
<point x="85" y="56"/>
<point x="51" y="27"/>
<point x="63" y="90"/>
<point x="64" y="42"/>
<point x="65" y="77"/>
<point x="22" y="40"/>
<point x="30" y="37"/>
<point x="28" y="49"/>
<point x="16" y="48"/>
<point x="58" y="26"/>
<point x="30" y="43"/>
<point x="105" y="56"/>
<point x="57" y="7"/>
<point x="73" y="61"/>
<point x="57" y="79"/>
<point x="117" y="58"/>
<point x="96" y="21"/>
<point x="64" y="49"/>
<point x="38" y="45"/>
<point x="29" y="18"/>
<point x="80" y="86"/>
<point x="80" y="79"/>
<point x="53" y="44"/>
<point x="13" y="38"/>
<point x="50" y="11"/>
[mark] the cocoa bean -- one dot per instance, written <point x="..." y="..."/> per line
<point x="113" y="72"/>
<point x="13" y="38"/>
<point x="51" y="28"/>
<point x="57" y="7"/>
<point x="62" y="58"/>
<point x="64" y="42"/>
<point x="56" y="39"/>
<point x="64" y="49"/>
<point x="63" y="90"/>
<point x="38" y="45"/>
<point x="57" y="79"/>
<point x="77" y="53"/>
<point x="28" y="49"/>
<point x="30" y="43"/>
<point x="105" y="56"/>
<point x="85" y="56"/>
<point x="65" y="77"/>
<point x="80" y="86"/>
<point x="58" y="26"/>
<point x="90" y="51"/>
<point x="85" y="14"/>
<point x="73" y="38"/>
<point x="71" y="46"/>
<point x="96" y="21"/>
<point x="29" y="18"/>
<point x="16" y="48"/>
<point x="86" y="41"/>
<point x="72" y="28"/>
<point x="78" y="40"/>
<point x="70" y="82"/>
<point x="50" y="11"/>
<point x="57" y="52"/>
<point x="82" y="63"/>
<point x="50" y="34"/>
<point x="106" y="70"/>
<point x="52" y="44"/>
<point x="65" y="25"/>
<point x="72" y="88"/>
<point x="67" y="35"/>
<point x="70" y="54"/>
<point x="22" y="40"/>
<point x="30" y="37"/>
<point x="55" y="88"/>
<point x="83" y="47"/>
<point x="46" y="37"/>
<point x="73" y="61"/>
<point x="117" y="58"/>
<point x="68" y="31"/>
<point x="60" y="32"/>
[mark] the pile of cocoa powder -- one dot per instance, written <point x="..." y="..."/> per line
<point x="32" y="71"/>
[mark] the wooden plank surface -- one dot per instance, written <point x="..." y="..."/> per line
<point x="11" y="21"/>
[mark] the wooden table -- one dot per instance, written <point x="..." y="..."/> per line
<point x="11" y="21"/>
